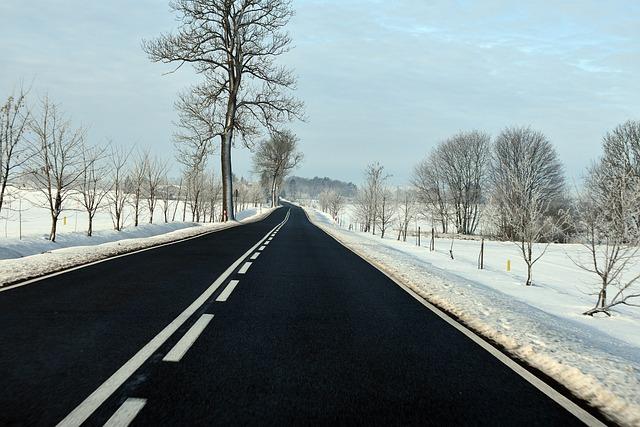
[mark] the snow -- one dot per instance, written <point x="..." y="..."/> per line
<point x="596" y="358"/>
<point x="34" y="255"/>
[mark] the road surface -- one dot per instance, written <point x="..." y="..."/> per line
<point x="191" y="334"/>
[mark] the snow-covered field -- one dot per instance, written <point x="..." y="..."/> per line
<point x="597" y="358"/>
<point x="33" y="254"/>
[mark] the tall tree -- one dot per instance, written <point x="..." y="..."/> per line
<point x="234" y="45"/>
<point x="56" y="159"/>
<point x="527" y="179"/>
<point x="463" y="161"/>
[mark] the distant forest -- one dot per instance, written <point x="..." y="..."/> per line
<point x="297" y="187"/>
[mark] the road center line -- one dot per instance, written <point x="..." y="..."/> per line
<point x="180" y="349"/>
<point x="244" y="268"/>
<point x="261" y="248"/>
<point x="255" y="256"/>
<point x="126" y="412"/>
<point x="107" y="388"/>
<point x="224" y="295"/>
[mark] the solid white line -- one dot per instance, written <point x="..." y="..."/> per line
<point x="261" y="248"/>
<point x="254" y="256"/>
<point x="137" y="251"/>
<point x="244" y="267"/>
<point x="180" y="349"/>
<point x="224" y="295"/>
<point x="545" y="388"/>
<point x="107" y="388"/>
<point x="126" y="413"/>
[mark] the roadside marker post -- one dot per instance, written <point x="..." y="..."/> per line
<point x="508" y="265"/>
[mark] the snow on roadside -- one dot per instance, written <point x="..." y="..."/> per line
<point x="35" y="257"/>
<point x="594" y="365"/>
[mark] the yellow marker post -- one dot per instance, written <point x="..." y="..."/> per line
<point x="508" y="265"/>
<point x="64" y="220"/>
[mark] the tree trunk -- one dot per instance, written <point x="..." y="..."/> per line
<point x="54" y="228"/>
<point x="528" y="274"/>
<point x="90" y="228"/>
<point x="227" y="177"/>
<point x="136" y="212"/>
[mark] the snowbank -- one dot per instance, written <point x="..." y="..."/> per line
<point x="33" y="257"/>
<point x="597" y="359"/>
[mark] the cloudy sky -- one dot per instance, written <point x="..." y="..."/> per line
<point x="382" y="80"/>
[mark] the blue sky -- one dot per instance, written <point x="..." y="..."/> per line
<point x="382" y="80"/>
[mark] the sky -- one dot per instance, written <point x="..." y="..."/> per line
<point x="382" y="80"/>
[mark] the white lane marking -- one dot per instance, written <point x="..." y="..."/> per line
<point x="137" y="251"/>
<point x="126" y="413"/>
<point x="266" y="243"/>
<point x="261" y="248"/>
<point x="180" y="349"/>
<point x="269" y="239"/>
<point x="244" y="267"/>
<point x="254" y="256"/>
<point x="107" y="388"/>
<point x="545" y="388"/>
<point x="224" y="295"/>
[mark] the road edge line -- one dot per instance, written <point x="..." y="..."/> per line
<point x="122" y="255"/>
<point x="541" y="385"/>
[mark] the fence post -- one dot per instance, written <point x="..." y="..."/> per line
<point x="481" y="256"/>
<point x="418" y="235"/>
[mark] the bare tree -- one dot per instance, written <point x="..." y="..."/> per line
<point x="276" y="158"/>
<point x="428" y="179"/>
<point x="136" y="183"/>
<point x="370" y="195"/>
<point x="117" y="198"/>
<point x="92" y="185"/>
<point x="177" y="203"/>
<point x="166" y="194"/>
<point x="213" y="195"/>
<point x="234" y="45"/>
<point x="463" y="162"/>
<point x="609" y="211"/>
<point x="527" y="178"/>
<point x="332" y="202"/>
<point x="195" y="180"/>
<point x="14" y="124"/>
<point x="384" y="211"/>
<point x="406" y="209"/>
<point x="155" y="172"/>
<point x="56" y="159"/>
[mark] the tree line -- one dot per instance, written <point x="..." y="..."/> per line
<point x="513" y="187"/>
<point x="40" y="147"/>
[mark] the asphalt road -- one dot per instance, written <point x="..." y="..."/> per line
<point x="310" y="333"/>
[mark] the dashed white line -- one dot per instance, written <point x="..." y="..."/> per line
<point x="261" y="248"/>
<point x="180" y="349"/>
<point x="224" y="295"/>
<point x="254" y="256"/>
<point x="244" y="267"/>
<point x="266" y="243"/>
<point x="107" y="388"/>
<point x="126" y="412"/>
